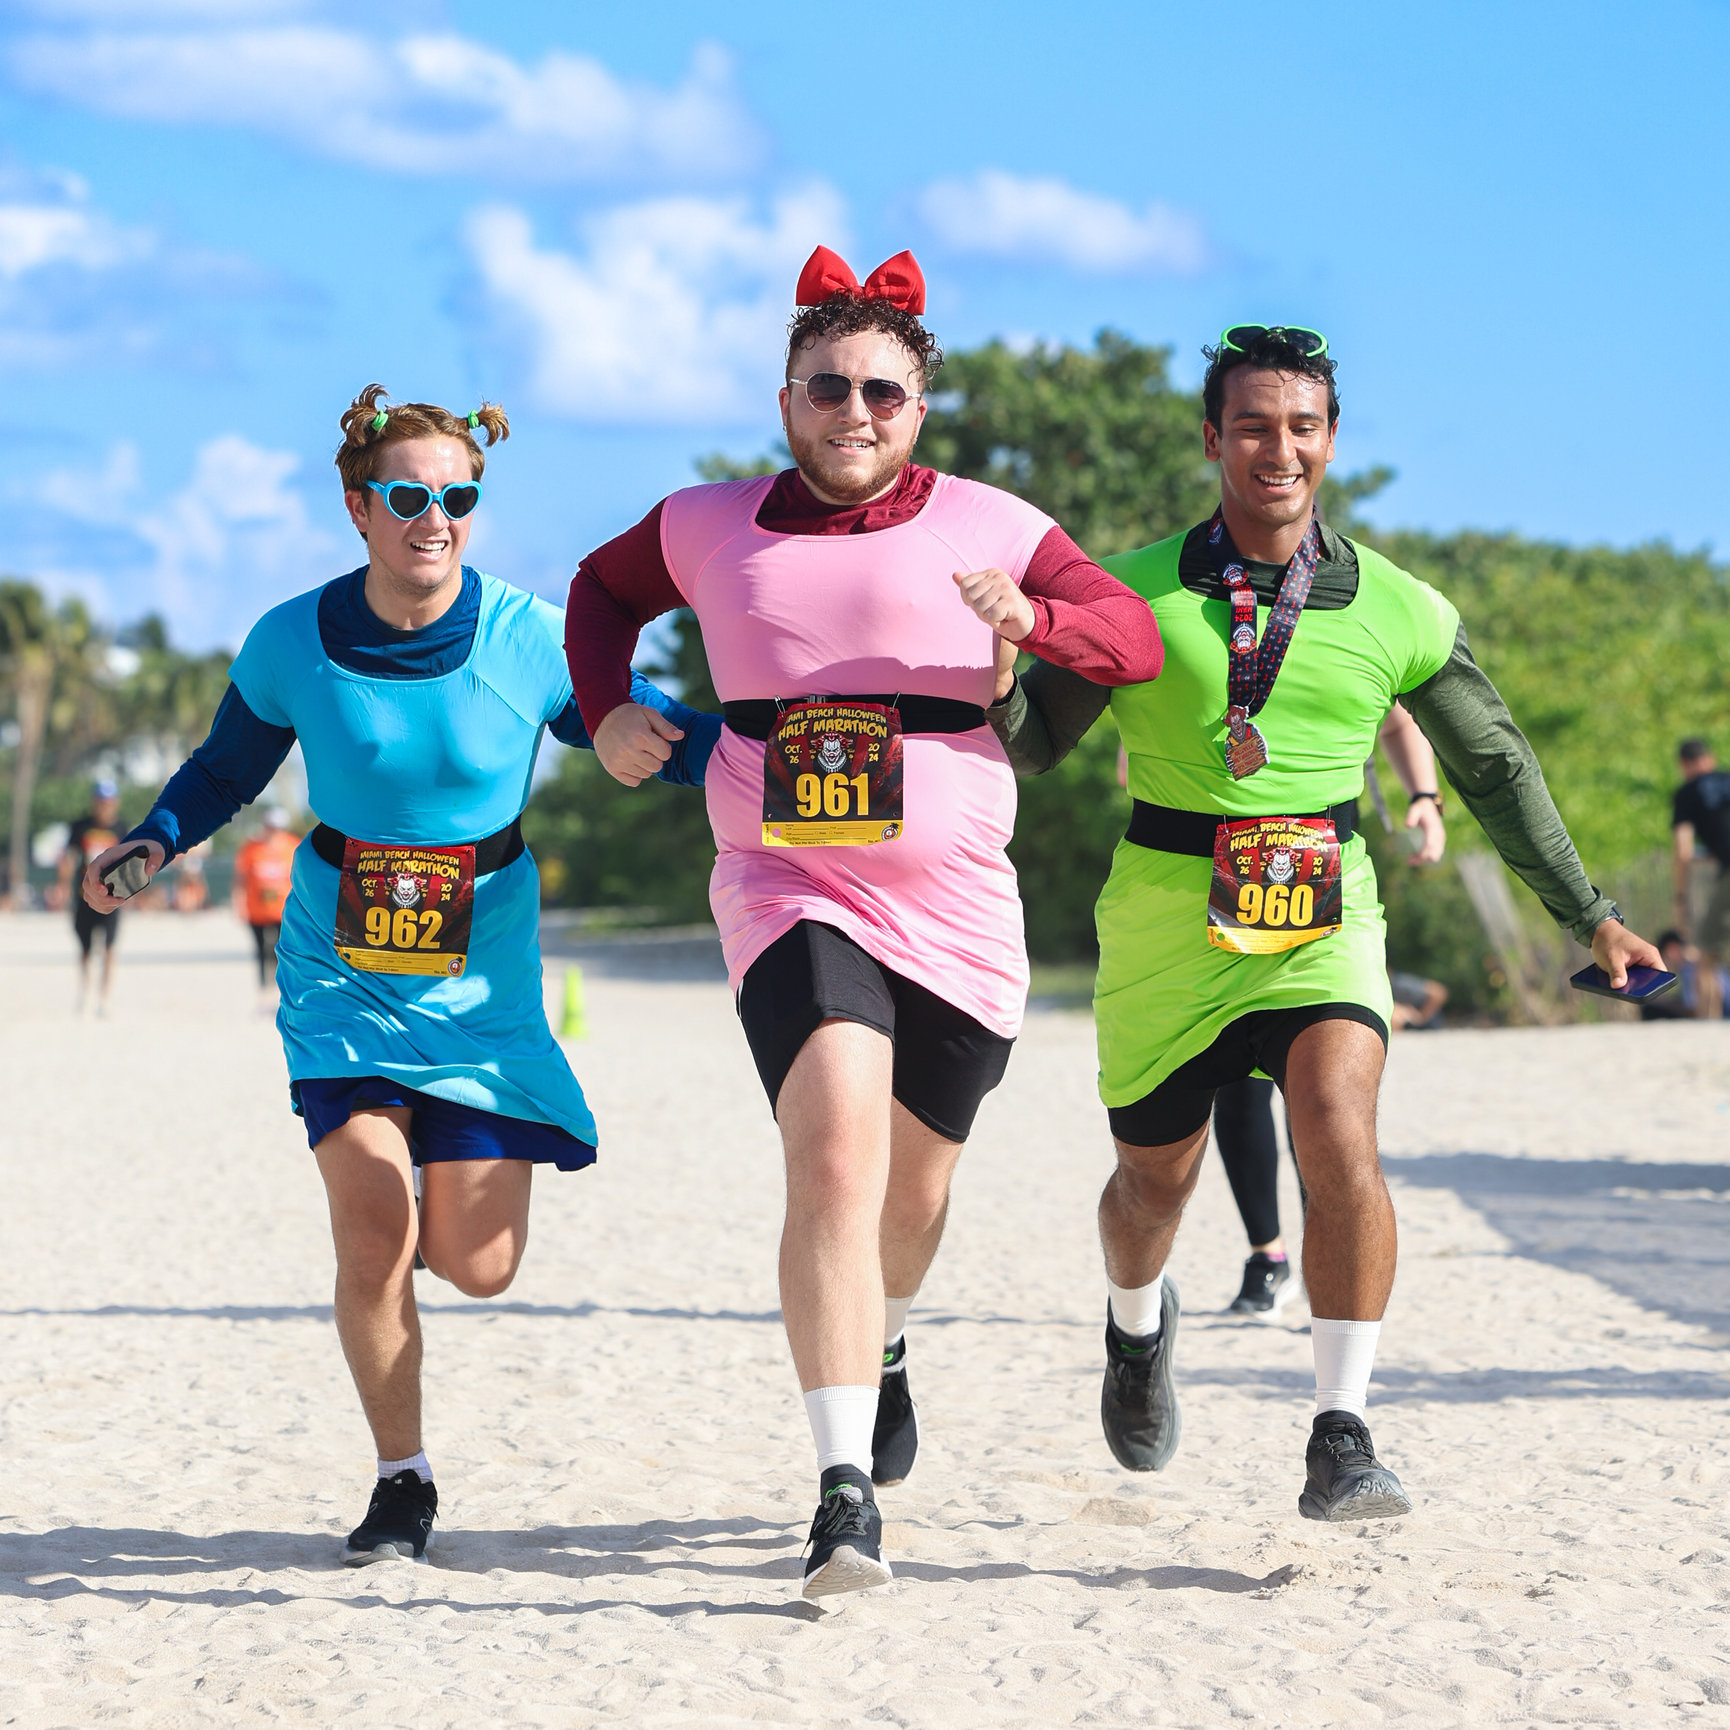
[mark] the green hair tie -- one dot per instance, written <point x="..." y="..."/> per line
<point x="474" y="417"/>
<point x="379" y="419"/>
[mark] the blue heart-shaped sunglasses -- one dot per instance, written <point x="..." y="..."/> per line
<point x="407" y="500"/>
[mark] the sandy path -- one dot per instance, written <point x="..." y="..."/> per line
<point x="625" y="1465"/>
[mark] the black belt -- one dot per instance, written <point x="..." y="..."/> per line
<point x="1166" y="830"/>
<point x="755" y="717"/>
<point x="492" y="854"/>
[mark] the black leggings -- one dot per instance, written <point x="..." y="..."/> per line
<point x="1249" y="1151"/>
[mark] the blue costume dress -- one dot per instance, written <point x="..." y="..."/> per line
<point x="423" y="737"/>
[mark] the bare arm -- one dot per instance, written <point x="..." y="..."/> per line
<point x="1682" y="869"/>
<point x="1415" y="763"/>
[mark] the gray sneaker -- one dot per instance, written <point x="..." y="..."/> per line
<point x="1343" y="1478"/>
<point x="1138" y="1403"/>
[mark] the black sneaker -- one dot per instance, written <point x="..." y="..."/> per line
<point x="398" y="1522"/>
<point x="846" y="1540"/>
<point x="895" y="1440"/>
<point x="1267" y="1287"/>
<point x="1138" y="1404"/>
<point x="1345" y="1480"/>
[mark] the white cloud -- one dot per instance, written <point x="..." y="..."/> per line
<point x="675" y="310"/>
<point x="1040" y="217"/>
<point x="212" y="556"/>
<point x="418" y="104"/>
<point x="33" y="236"/>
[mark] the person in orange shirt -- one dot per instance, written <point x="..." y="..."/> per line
<point x="263" y="868"/>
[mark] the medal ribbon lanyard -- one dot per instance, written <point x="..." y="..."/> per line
<point x="1254" y="666"/>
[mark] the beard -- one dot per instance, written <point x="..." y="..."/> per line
<point x="821" y="466"/>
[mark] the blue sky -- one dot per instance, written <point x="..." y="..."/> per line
<point x="219" y="218"/>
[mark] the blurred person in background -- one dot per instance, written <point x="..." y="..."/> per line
<point x="263" y="869"/>
<point x="1683" y="1003"/>
<point x="89" y="836"/>
<point x="1700" y="821"/>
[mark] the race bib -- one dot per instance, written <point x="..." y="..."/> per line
<point x="1276" y="884"/>
<point x="405" y="909"/>
<point x="832" y="775"/>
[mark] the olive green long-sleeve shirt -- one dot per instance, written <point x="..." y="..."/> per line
<point x="1487" y="758"/>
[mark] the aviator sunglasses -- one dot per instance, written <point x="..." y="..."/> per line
<point x="410" y="499"/>
<point x="1311" y="344"/>
<point x="827" y="391"/>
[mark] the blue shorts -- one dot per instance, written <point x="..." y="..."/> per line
<point x="440" y="1129"/>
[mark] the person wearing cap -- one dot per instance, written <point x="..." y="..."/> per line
<point x="854" y="609"/>
<point x="89" y="836"/>
<point x="263" y="871"/>
<point x="1240" y="930"/>
<point x="409" y="966"/>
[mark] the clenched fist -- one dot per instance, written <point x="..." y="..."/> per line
<point x="994" y="596"/>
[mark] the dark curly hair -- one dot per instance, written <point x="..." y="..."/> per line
<point x="851" y="314"/>
<point x="1266" y="353"/>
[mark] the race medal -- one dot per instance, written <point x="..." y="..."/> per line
<point x="405" y="909"/>
<point x="1276" y="884"/>
<point x="832" y="775"/>
<point x="1245" y="748"/>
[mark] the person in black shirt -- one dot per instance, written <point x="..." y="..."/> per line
<point x="89" y="835"/>
<point x="1700" y="817"/>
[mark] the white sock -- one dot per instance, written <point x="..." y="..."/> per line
<point x="416" y="1463"/>
<point x="842" y="1420"/>
<point x="895" y="1319"/>
<point x="1136" y="1308"/>
<point x="1345" y="1353"/>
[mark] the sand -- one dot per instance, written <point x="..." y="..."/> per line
<point x="623" y="1458"/>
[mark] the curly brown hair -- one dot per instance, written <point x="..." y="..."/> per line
<point x="851" y="314"/>
<point x="364" y="439"/>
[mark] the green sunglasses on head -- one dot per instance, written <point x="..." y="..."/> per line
<point x="1311" y="344"/>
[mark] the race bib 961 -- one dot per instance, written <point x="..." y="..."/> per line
<point x="832" y="775"/>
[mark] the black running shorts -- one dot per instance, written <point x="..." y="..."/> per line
<point x="86" y="922"/>
<point x="945" y="1061"/>
<point x="1180" y="1105"/>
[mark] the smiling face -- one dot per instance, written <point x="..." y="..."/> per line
<point x="846" y="456"/>
<point x="1273" y="451"/>
<point x="415" y="561"/>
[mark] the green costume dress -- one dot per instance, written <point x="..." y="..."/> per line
<point x="1164" y="993"/>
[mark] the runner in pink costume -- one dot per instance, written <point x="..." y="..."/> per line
<point x="867" y="907"/>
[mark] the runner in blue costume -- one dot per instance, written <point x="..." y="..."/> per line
<point x="409" y="962"/>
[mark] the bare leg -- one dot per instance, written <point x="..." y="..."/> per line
<point x="916" y="1204"/>
<point x="835" y="1130"/>
<point x="107" y="973"/>
<point x="1708" y="994"/>
<point x="474" y="1228"/>
<point x="1350" y="1239"/>
<point x="368" y="1179"/>
<point x="1142" y="1203"/>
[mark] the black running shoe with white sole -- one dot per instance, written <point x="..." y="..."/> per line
<point x="1138" y="1403"/>
<point x="1267" y="1287"/>
<point x="1343" y="1478"/>
<point x="398" y="1523"/>
<point x="846" y="1540"/>
<point x="895" y="1440"/>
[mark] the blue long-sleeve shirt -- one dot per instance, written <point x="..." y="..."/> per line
<point x="242" y="753"/>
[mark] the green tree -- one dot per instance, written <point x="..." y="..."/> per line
<point x="51" y="659"/>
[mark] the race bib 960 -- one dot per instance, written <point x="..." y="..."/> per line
<point x="1276" y="884"/>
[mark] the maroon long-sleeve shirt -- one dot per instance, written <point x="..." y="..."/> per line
<point x="1083" y="617"/>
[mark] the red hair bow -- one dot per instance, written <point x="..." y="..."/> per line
<point x="898" y="280"/>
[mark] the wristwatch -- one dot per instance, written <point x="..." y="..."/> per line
<point x="1432" y="794"/>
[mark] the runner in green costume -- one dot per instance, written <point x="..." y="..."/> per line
<point x="1219" y="959"/>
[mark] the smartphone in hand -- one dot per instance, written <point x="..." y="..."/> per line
<point x="128" y="874"/>
<point x="1643" y="982"/>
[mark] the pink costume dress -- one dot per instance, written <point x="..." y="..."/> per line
<point x="793" y="616"/>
